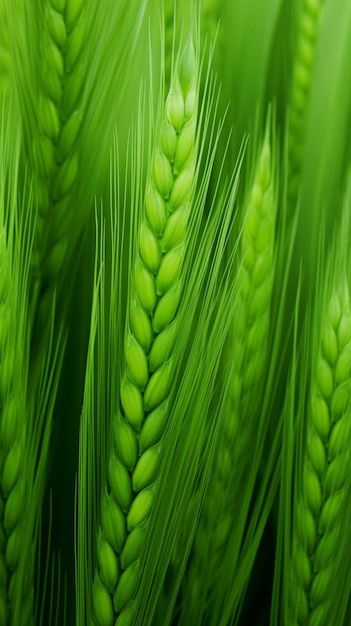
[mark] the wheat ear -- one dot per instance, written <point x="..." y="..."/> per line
<point x="321" y="495"/>
<point x="15" y="588"/>
<point x="248" y="348"/>
<point x="150" y="335"/>
<point x="308" y="25"/>
<point x="54" y="150"/>
<point x="248" y="338"/>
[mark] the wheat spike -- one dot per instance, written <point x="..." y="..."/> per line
<point x="320" y="500"/>
<point x="55" y="154"/>
<point x="248" y="340"/>
<point x="308" y="26"/>
<point x="149" y="340"/>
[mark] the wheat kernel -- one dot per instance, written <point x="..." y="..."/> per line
<point x="126" y="617"/>
<point x="126" y="587"/>
<point x="162" y="346"/>
<point x="257" y="335"/>
<point x="308" y="26"/>
<point x="168" y="140"/>
<point x="334" y="310"/>
<point x="312" y="490"/>
<point x="331" y="512"/>
<point x="317" y="615"/>
<point x="302" y="76"/>
<point x="190" y="104"/>
<point x="343" y="367"/>
<point x="56" y="27"/>
<point x="158" y="386"/>
<point x="302" y="567"/>
<point x="102" y="604"/>
<point x="48" y="117"/>
<point x="146" y="469"/>
<point x="182" y="188"/>
<point x="306" y="529"/>
<point x="344" y="331"/>
<point x="136" y="361"/>
<point x="73" y="88"/>
<point x="140" y="508"/>
<point x="320" y="415"/>
<point x="320" y="586"/>
<point x="113" y="522"/>
<point x="74" y="46"/>
<point x="162" y="173"/>
<point x="175" y="110"/>
<point x="145" y="288"/>
<point x="141" y="325"/>
<point x="125" y="443"/>
<point x="132" y="547"/>
<point x="132" y="403"/>
<point x="259" y="302"/>
<point x="53" y="58"/>
<point x="120" y="483"/>
<point x="69" y="135"/>
<point x="339" y="438"/>
<point x="13" y="507"/>
<point x="169" y="270"/>
<point x="167" y="308"/>
<point x="316" y="452"/>
<point x="336" y="474"/>
<point x="326" y="549"/>
<point x="149" y="249"/>
<point x="153" y="427"/>
<point x="265" y="233"/>
<point x="108" y="563"/>
<point x="262" y="269"/>
<point x="306" y="52"/>
<point x="14" y="548"/>
<point x="175" y="229"/>
<point x="73" y="9"/>
<point x="155" y="210"/>
<point x="185" y="145"/>
<point x="187" y="67"/>
<point x="330" y="344"/>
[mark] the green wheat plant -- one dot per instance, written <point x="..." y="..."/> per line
<point x="175" y="316"/>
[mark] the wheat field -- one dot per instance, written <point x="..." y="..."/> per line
<point x="175" y="330"/>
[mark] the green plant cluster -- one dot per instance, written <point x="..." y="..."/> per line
<point x="175" y="314"/>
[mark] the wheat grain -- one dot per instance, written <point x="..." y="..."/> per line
<point x="320" y="503"/>
<point x="150" y="332"/>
